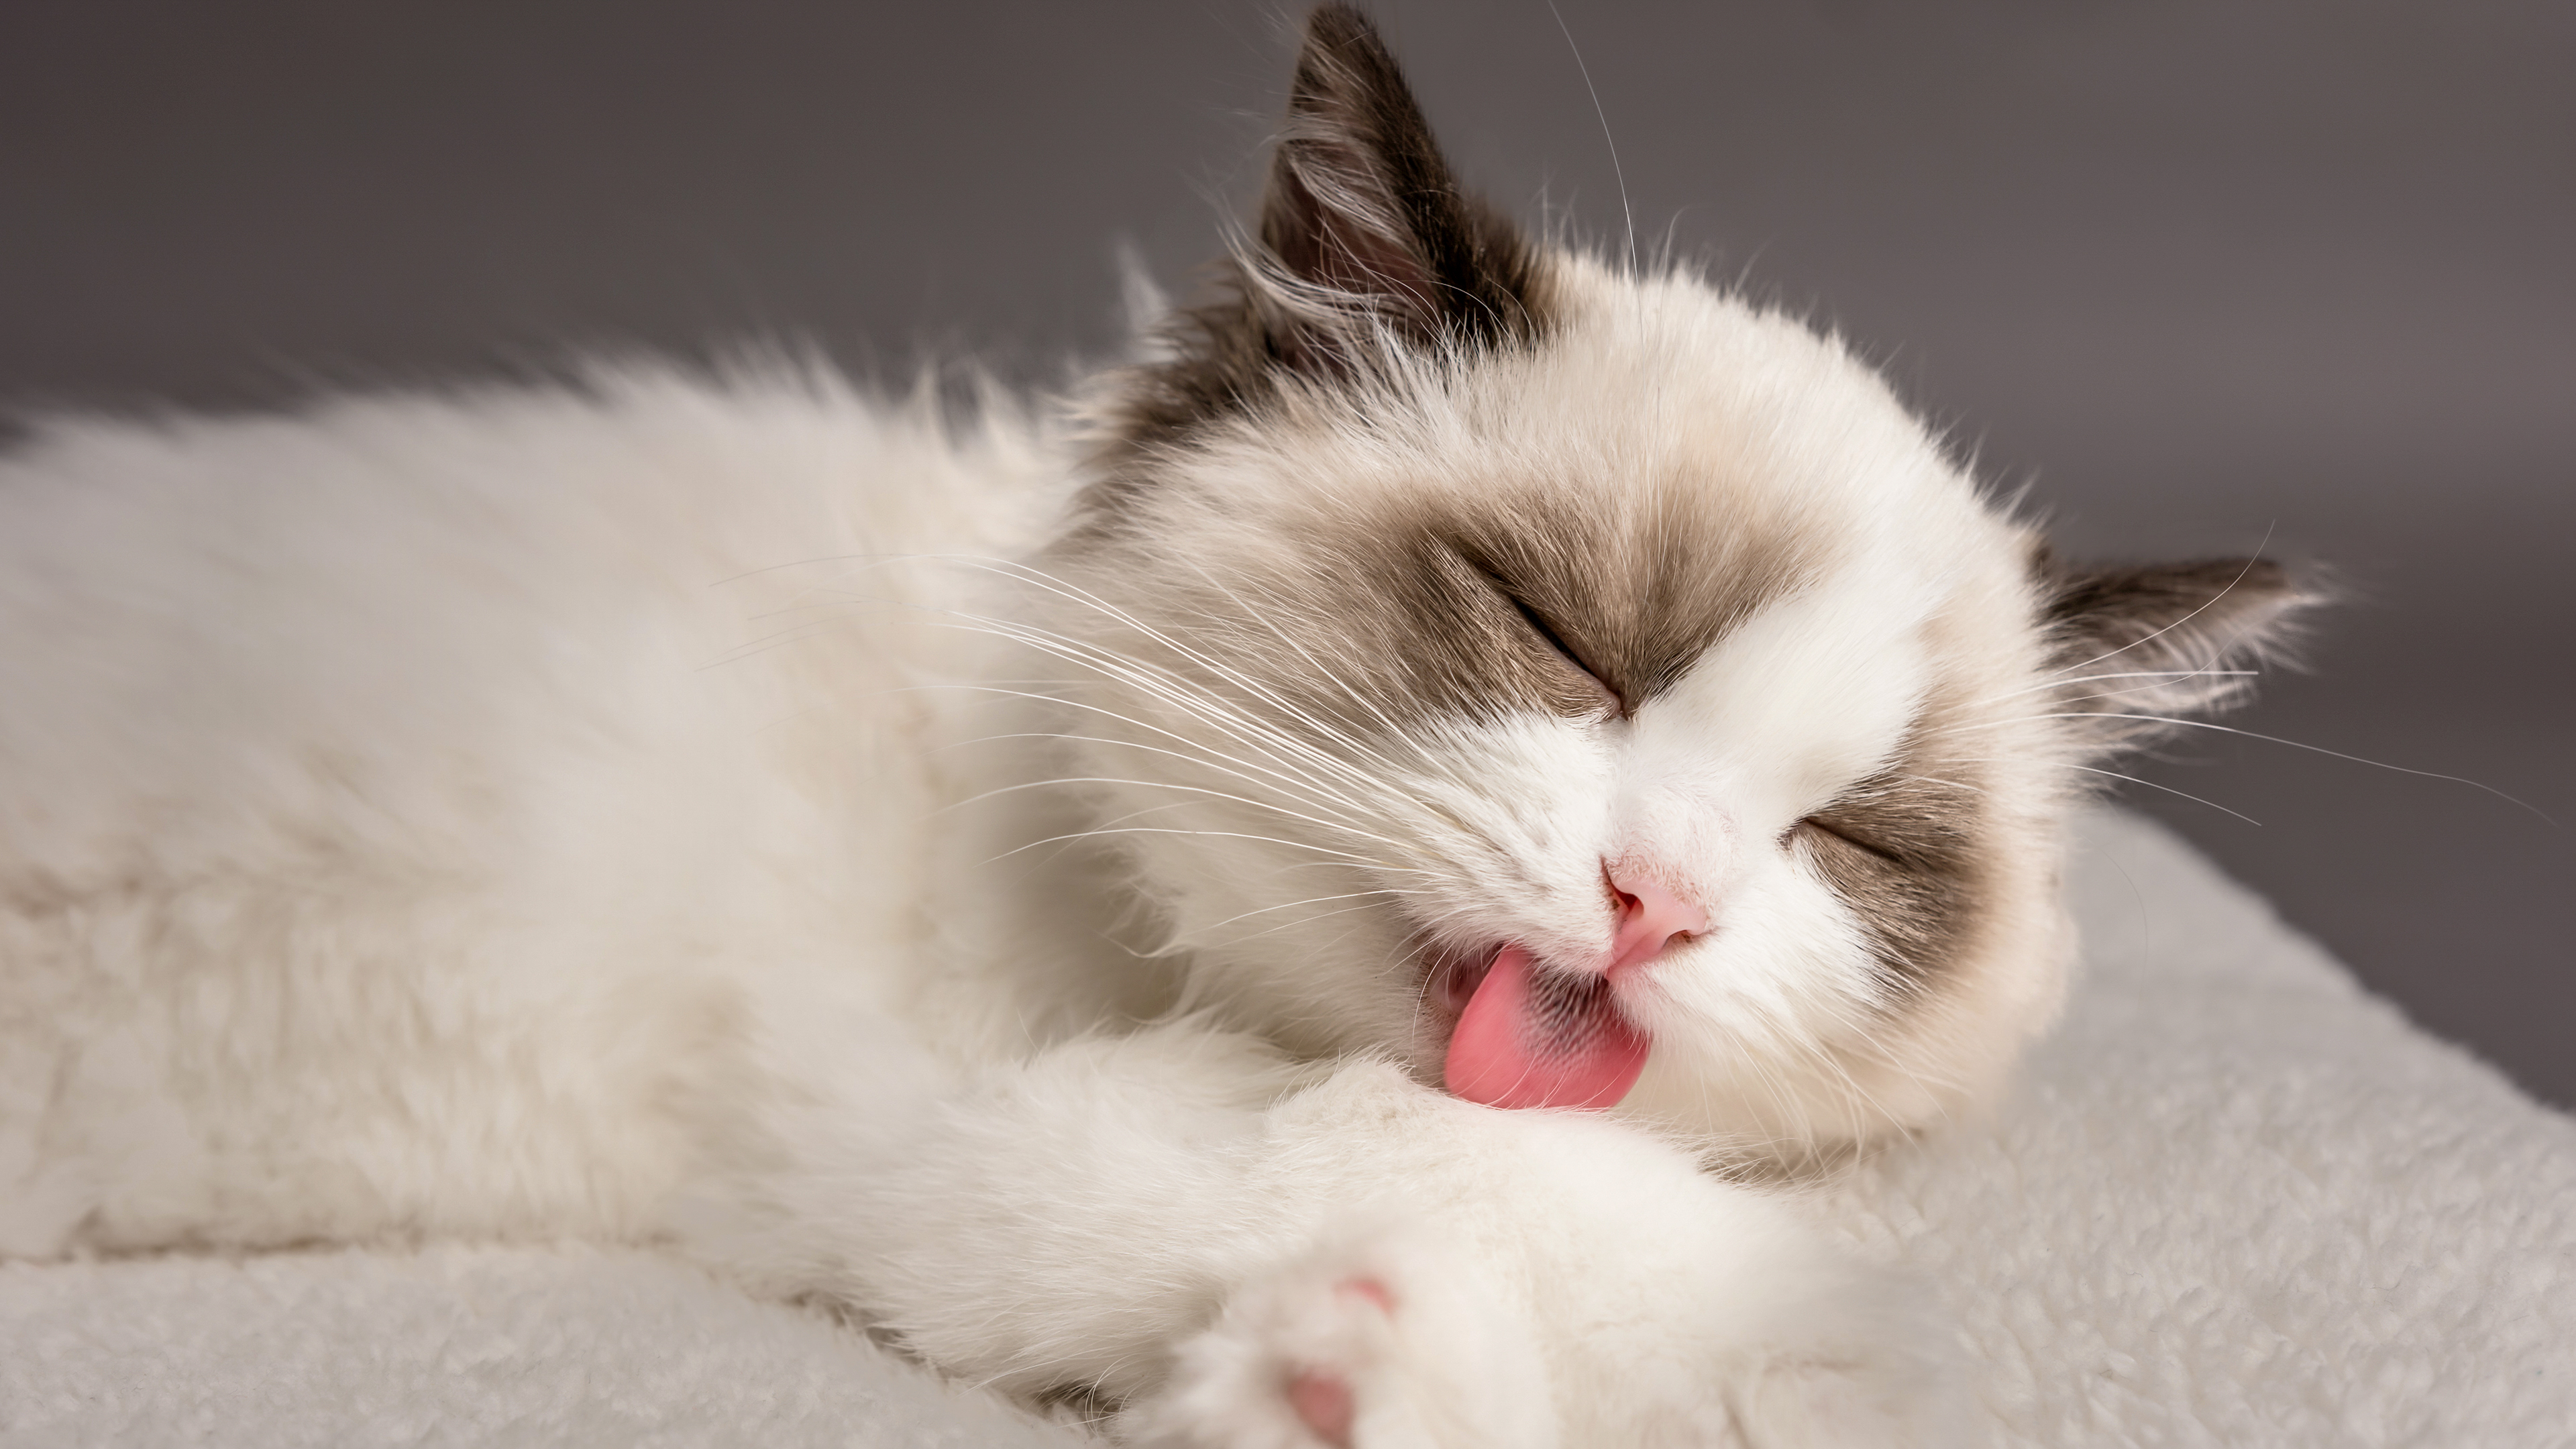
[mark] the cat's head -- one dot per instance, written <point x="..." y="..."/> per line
<point x="1552" y="675"/>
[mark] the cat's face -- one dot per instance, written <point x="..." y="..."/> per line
<point x="1584" y="687"/>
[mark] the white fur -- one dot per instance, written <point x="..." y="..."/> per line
<point x="404" y="799"/>
<point x="603" y="811"/>
<point x="1498" y="832"/>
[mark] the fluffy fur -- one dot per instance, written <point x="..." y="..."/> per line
<point x="1020" y="883"/>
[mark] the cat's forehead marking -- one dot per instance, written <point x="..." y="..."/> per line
<point x="1637" y="594"/>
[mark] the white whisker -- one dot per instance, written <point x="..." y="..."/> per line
<point x="1212" y="834"/>
<point x="2170" y="790"/>
<point x="2206" y="605"/>
<point x="2202" y="724"/>
<point x="1161" y="785"/>
<point x="2164" y="674"/>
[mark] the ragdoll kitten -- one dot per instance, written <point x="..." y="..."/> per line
<point x="1079" y="902"/>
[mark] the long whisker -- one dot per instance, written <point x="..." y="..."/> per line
<point x="1952" y="784"/>
<point x="1241" y="728"/>
<point x="2165" y="674"/>
<point x="1264" y="619"/>
<point x="2209" y="603"/>
<point x="1214" y="834"/>
<point x="2202" y="724"/>
<point x="1155" y="679"/>
<point x="2168" y="789"/>
<point x="1309" y="901"/>
<point x="1063" y="589"/>
<point x="1208" y="761"/>
<point x="1108" y="713"/>
<point x="1054" y="642"/>
<point x="1615" y="169"/>
<point x="1163" y="785"/>
<point x="1292" y="925"/>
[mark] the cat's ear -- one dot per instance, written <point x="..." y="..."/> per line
<point x="1366" y="251"/>
<point x="2134" y="645"/>
<point x="1365" y="235"/>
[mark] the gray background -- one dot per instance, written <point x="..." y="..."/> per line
<point x="2198" y="273"/>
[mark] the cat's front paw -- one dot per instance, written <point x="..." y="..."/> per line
<point x="1378" y="1340"/>
<point x="1553" y="1279"/>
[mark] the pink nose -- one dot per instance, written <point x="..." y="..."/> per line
<point x="1649" y="918"/>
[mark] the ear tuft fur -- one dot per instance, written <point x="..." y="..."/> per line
<point x="2138" y="644"/>
<point x="1364" y="225"/>
<point x="1366" y="250"/>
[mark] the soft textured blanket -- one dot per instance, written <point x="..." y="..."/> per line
<point x="2235" y="1202"/>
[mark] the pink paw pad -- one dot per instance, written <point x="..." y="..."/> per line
<point x="1323" y="1401"/>
<point x="1370" y="1289"/>
<point x="1321" y="1397"/>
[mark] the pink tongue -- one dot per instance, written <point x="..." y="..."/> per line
<point x="1532" y="1041"/>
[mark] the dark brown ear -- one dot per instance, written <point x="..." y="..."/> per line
<point x="2138" y="644"/>
<point x="1366" y="250"/>
<point x="1364" y="226"/>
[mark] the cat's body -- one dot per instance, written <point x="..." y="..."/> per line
<point x="1030" y="886"/>
<point x="544" y="756"/>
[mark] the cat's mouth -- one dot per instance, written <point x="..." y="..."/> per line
<point x="1528" y="1035"/>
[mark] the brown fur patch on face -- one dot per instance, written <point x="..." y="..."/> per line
<point x="1635" y="600"/>
<point x="1906" y="850"/>
<point x="1910" y="849"/>
<point x="1509" y="601"/>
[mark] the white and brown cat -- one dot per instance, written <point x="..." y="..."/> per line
<point x="1256" y="904"/>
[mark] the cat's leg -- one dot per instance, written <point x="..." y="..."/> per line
<point x="1665" y="1307"/>
<point x="1246" y="1253"/>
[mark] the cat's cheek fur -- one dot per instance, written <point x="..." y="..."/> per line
<point x="1501" y="841"/>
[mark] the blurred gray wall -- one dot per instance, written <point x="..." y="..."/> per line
<point x="2198" y="274"/>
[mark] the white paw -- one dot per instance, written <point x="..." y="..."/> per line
<point x="1379" y="1340"/>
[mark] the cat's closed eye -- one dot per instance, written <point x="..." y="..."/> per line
<point x="1606" y="697"/>
<point x="1843" y="833"/>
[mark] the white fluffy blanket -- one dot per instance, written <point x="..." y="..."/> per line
<point x="2236" y="1202"/>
